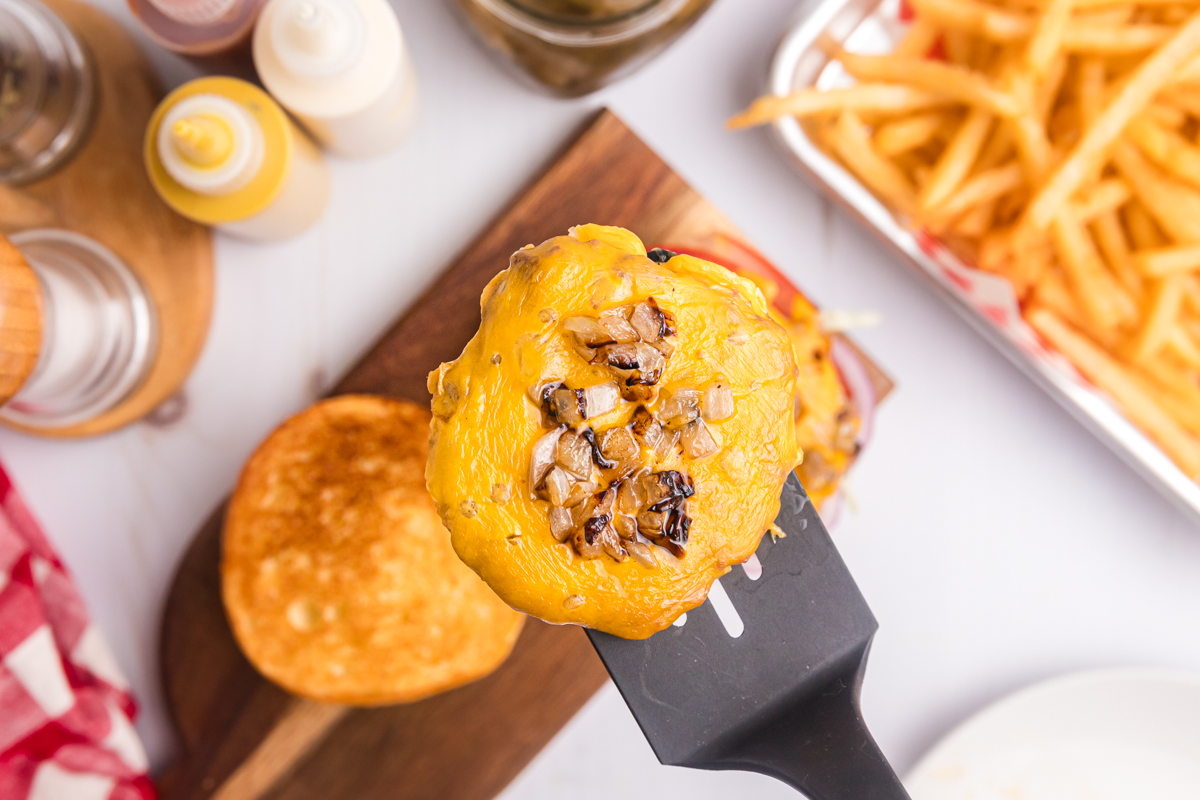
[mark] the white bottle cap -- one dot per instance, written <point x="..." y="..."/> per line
<point x="318" y="38"/>
<point x="194" y="12"/>
<point x="330" y="59"/>
<point x="210" y="144"/>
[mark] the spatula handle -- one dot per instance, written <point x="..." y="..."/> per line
<point x="823" y="748"/>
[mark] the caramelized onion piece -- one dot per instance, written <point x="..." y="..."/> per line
<point x="569" y="406"/>
<point x="642" y="554"/>
<point x="626" y="527"/>
<point x="561" y="523"/>
<point x="717" y="403"/>
<point x="676" y="527"/>
<point x="587" y="331"/>
<point x="558" y="486"/>
<point x="664" y="347"/>
<point x="680" y="408"/>
<point x="613" y="546"/>
<point x="651" y="363"/>
<point x="628" y="499"/>
<point x="598" y="456"/>
<point x="601" y="398"/>
<point x="575" y="455"/>
<point x="579" y="492"/>
<point x="647" y="320"/>
<point x="618" y="328"/>
<point x="698" y="441"/>
<point x="651" y="322"/>
<point x="619" y="444"/>
<point x="623" y="357"/>
<point x="545" y="450"/>
<point x="605" y="502"/>
<point x="648" y="429"/>
<point x="661" y="490"/>
<point x="596" y="537"/>
<point x="650" y="523"/>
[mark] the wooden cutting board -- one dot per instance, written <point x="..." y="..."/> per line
<point x="243" y="737"/>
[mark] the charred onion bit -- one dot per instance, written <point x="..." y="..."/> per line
<point x="660" y="256"/>
<point x="597" y="456"/>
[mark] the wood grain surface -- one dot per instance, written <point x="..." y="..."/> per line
<point x="471" y="742"/>
<point x="103" y="192"/>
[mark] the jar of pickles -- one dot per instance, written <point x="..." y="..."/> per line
<point x="573" y="47"/>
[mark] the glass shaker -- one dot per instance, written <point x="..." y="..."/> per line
<point x="78" y="332"/>
<point x="47" y="91"/>
<point x="574" y="47"/>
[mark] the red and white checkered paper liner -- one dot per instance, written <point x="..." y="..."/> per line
<point x="66" y="714"/>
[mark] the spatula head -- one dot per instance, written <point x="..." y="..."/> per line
<point x="707" y="699"/>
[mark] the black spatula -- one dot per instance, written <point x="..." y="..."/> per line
<point x="782" y="697"/>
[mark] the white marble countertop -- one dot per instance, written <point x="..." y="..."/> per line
<point x="997" y="542"/>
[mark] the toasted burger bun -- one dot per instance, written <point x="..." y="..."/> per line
<point x="338" y="577"/>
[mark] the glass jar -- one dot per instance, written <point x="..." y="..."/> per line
<point x="47" y="92"/>
<point x="574" y="47"/>
<point x="99" y="331"/>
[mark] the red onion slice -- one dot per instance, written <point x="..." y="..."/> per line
<point x="858" y="385"/>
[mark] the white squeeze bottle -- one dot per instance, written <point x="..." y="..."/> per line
<point x="342" y="68"/>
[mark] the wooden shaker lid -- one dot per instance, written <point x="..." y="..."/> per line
<point x="21" y="318"/>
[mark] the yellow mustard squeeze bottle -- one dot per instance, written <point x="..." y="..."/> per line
<point x="221" y="152"/>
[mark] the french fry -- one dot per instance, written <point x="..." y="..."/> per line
<point x="1110" y="238"/>
<point x="956" y="159"/>
<point x="1051" y="292"/>
<point x="1089" y="154"/>
<point x="1101" y="298"/>
<point x="1181" y="342"/>
<point x="1047" y="39"/>
<point x="1104" y="371"/>
<point x="1170" y="373"/>
<point x="971" y="16"/>
<point x="1047" y="87"/>
<point x="957" y="83"/>
<point x="1073" y="172"/>
<point x="981" y="188"/>
<point x="1107" y="195"/>
<point x="1090" y="88"/>
<point x="1095" y="39"/>
<point x="976" y="221"/>
<point x="908" y="133"/>
<point x="1143" y="230"/>
<point x="1185" y="98"/>
<point x="1166" y="261"/>
<point x="1191" y="293"/>
<point x="1185" y="412"/>
<point x="1166" y="115"/>
<point x="919" y="39"/>
<point x="1081" y="5"/>
<point x="1166" y="148"/>
<point x="1174" y="206"/>
<point x="1165" y="298"/>
<point x="862" y="97"/>
<point x="959" y="46"/>
<point x="853" y="145"/>
<point x="1033" y="146"/>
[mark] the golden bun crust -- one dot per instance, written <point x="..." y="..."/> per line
<point x="338" y="576"/>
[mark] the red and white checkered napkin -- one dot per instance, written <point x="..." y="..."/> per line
<point x="66" y="730"/>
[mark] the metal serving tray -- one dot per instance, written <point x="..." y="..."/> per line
<point x="985" y="301"/>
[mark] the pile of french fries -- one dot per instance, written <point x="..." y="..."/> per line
<point x="1054" y="142"/>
